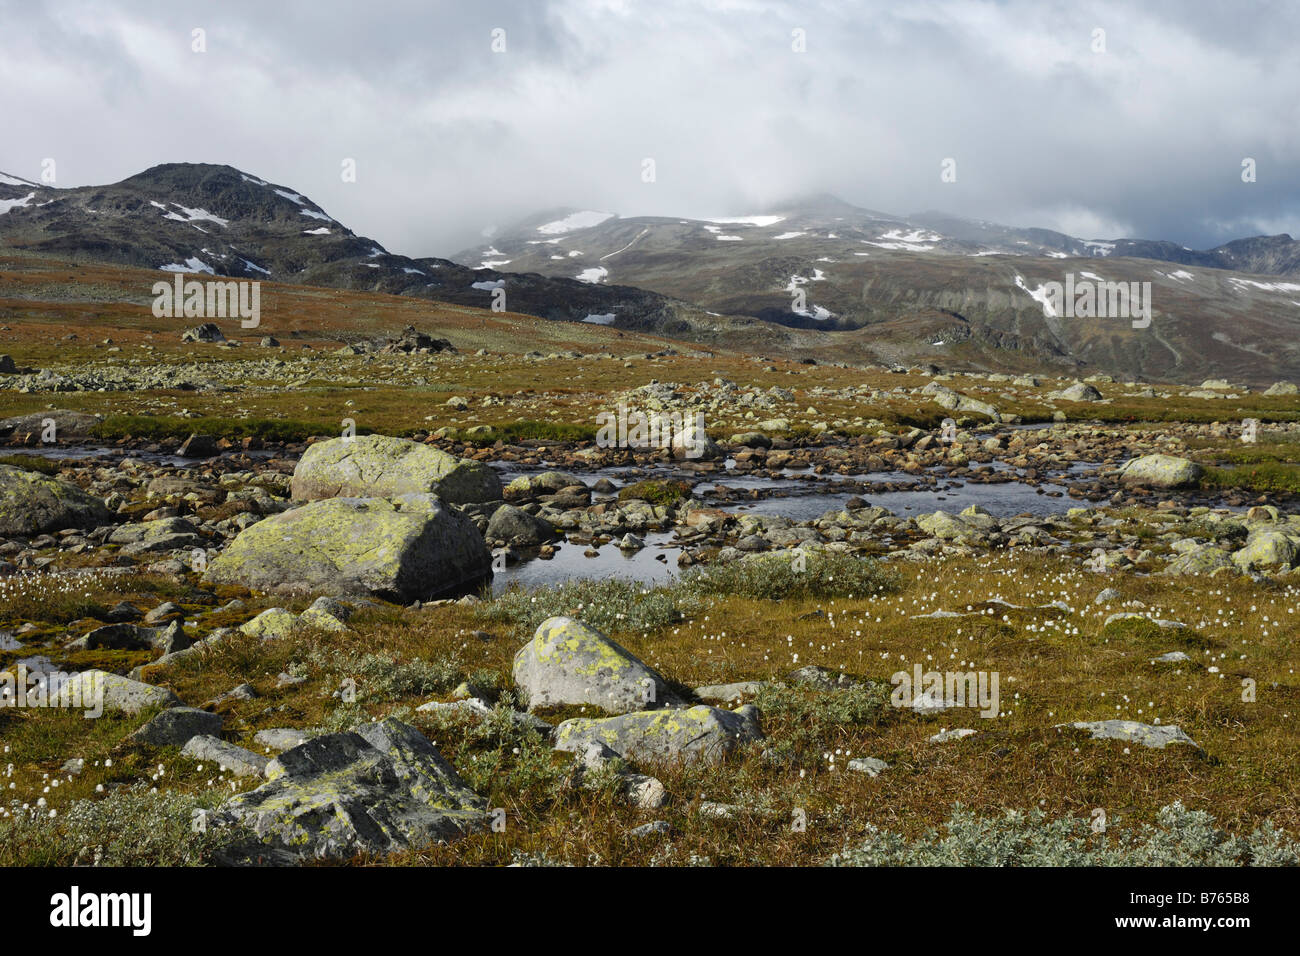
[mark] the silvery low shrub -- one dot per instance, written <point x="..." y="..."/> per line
<point x="1180" y="837"/>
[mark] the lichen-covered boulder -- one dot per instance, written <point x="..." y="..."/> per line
<point x="1268" y="550"/>
<point x="957" y="402"/>
<point x="32" y="504"/>
<point x="381" y="788"/>
<point x="377" y="466"/>
<point x="272" y="623"/>
<point x="568" y="663"/>
<point x="410" y="548"/>
<point x="1283" y="388"/>
<point x="117" y="694"/>
<point x="1202" y="560"/>
<point x="1161" y="471"/>
<point x="699" y="733"/>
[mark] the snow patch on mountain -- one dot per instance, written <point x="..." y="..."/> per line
<point x="573" y="222"/>
<point x="192" y="264"/>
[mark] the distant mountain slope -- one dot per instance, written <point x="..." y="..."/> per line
<point x="821" y="279"/>
<point x="200" y="218"/>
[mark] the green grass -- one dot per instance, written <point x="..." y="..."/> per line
<point x="265" y="429"/>
<point x="1266" y="477"/>
<point x="781" y="577"/>
<point x="45" y="466"/>
<point x="514" y="432"/>
<point x="655" y="492"/>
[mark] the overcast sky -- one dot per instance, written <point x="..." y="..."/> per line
<point x="450" y="138"/>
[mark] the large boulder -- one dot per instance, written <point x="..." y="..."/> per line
<point x="1132" y="731"/>
<point x="1078" y="392"/>
<point x="568" y="663"/>
<point x="1283" y="388"/>
<point x="163" y="534"/>
<point x="116" y="693"/>
<point x="67" y="424"/>
<point x="176" y="726"/>
<point x="517" y="527"/>
<point x="1201" y="560"/>
<point x="698" y="733"/>
<point x="957" y="402"/>
<point x="1274" y="550"/>
<point x="1161" y="471"/>
<point x="376" y="466"/>
<point x="32" y="504"/>
<point x="379" y="789"/>
<point x="410" y="548"/>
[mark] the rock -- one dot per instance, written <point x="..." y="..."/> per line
<point x="1106" y="596"/>
<point x="546" y="483"/>
<point x="1267" y="549"/>
<point x="162" y="534"/>
<point x="175" y="726"/>
<point x="32" y="504"/>
<point x="120" y="694"/>
<point x="1283" y="388"/>
<point x="821" y="678"/>
<point x="956" y="402"/>
<point x="280" y="738"/>
<point x="162" y="612"/>
<point x="692" y="442"/>
<point x="517" y="527"/>
<point x="653" y="828"/>
<point x="1161" y="471"/>
<point x="67" y="424"/>
<point x="326" y="614"/>
<point x="944" y="736"/>
<point x="236" y="760"/>
<point x="1134" y="616"/>
<point x="134" y="637"/>
<point x="7" y="365"/>
<point x="1172" y="657"/>
<point x="1202" y="560"/>
<point x="730" y="693"/>
<point x="412" y="548"/>
<point x="1078" y="392"/>
<point x="199" y="446"/>
<point x="376" y="466"/>
<point x="1147" y="735"/>
<point x="698" y="733"/>
<point x="381" y="788"/>
<point x="568" y="663"/>
<point x="272" y="623"/>
<point x="207" y="332"/>
<point x="871" y="766"/>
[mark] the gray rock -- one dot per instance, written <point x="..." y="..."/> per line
<point x="237" y="760"/>
<point x="1148" y="735"/>
<point x="379" y="789"/>
<point x="1161" y="471"/>
<point x="517" y="527"/>
<point x="175" y="727"/>
<point x="871" y="766"/>
<point x="376" y="466"/>
<point x="33" y="504"/>
<point x="119" y="694"/>
<point x="568" y="663"/>
<point x="730" y="693"/>
<point x="699" y="733"/>
<point x="280" y="738"/>
<point x="410" y="548"/>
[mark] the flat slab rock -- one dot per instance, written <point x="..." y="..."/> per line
<point x="381" y="788"/>
<point x="1148" y="735"/>
<point x="691" y="734"/>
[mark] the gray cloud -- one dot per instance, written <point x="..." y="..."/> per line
<point x="1145" y="139"/>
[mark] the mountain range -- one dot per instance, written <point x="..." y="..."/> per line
<point x="818" y="278"/>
